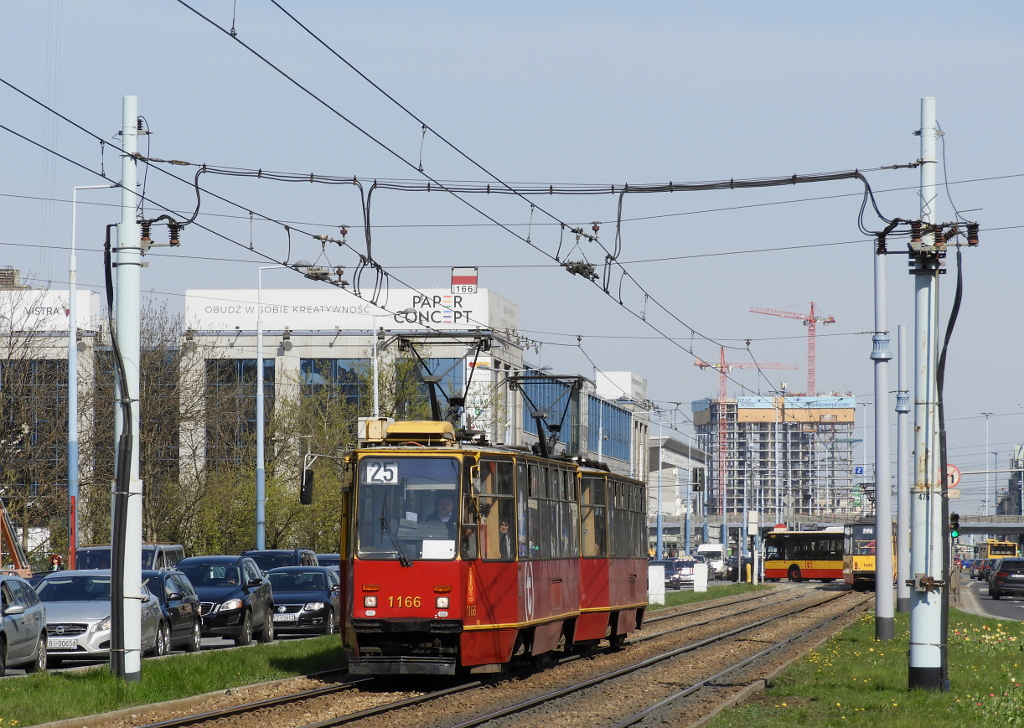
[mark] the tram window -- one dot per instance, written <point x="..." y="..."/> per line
<point x="594" y="531"/>
<point x="534" y="526"/>
<point x="468" y="534"/>
<point x="534" y="480"/>
<point x="497" y="529"/>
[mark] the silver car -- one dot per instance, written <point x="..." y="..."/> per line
<point x="22" y="626"/>
<point x="78" y="616"/>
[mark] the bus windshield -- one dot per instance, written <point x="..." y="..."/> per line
<point x="407" y="508"/>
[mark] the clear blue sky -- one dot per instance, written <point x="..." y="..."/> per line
<point x="558" y="93"/>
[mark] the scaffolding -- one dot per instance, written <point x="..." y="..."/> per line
<point x="786" y="457"/>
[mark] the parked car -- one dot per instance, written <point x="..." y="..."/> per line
<point x="268" y="559"/>
<point x="182" y="617"/>
<point x="677" y="572"/>
<point x="78" y="616"/>
<point x="22" y="625"/>
<point x="154" y="556"/>
<point x="1006" y="578"/>
<point x="235" y="597"/>
<point x="329" y="559"/>
<point x="306" y="599"/>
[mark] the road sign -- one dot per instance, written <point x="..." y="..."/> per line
<point x="952" y="476"/>
<point x="858" y="470"/>
<point x="953" y="493"/>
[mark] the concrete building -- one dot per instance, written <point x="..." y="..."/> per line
<point x="785" y="457"/>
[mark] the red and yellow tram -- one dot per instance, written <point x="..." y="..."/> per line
<point x="466" y="557"/>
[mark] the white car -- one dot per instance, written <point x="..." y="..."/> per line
<point x="78" y="616"/>
<point x="22" y="626"/>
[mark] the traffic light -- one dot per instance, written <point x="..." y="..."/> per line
<point x="698" y="479"/>
<point x="954" y="525"/>
<point x="306" y="488"/>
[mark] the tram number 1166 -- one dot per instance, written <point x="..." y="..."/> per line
<point x="404" y="602"/>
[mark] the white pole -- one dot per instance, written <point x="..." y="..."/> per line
<point x="902" y="481"/>
<point x="927" y="640"/>
<point x="376" y="365"/>
<point x="73" y="474"/>
<point x="988" y="484"/>
<point x="261" y="472"/>
<point x="885" y="625"/>
<point x="129" y="264"/>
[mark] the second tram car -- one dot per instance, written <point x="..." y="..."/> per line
<point x="462" y="557"/>
<point x="800" y="555"/>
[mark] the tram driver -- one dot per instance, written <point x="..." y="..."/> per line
<point x="444" y="511"/>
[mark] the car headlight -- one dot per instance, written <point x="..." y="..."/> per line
<point x="104" y="625"/>
<point x="441" y="602"/>
<point x="314" y="606"/>
<point x="231" y="604"/>
<point x="369" y="601"/>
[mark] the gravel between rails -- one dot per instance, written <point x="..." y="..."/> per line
<point x="596" y="707"/>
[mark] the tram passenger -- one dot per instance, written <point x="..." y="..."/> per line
<point x="505" y="540"/>
<point x="444" y="507"/>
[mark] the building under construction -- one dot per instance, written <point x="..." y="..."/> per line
<point x="786" y="457"/>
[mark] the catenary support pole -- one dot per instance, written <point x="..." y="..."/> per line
<point x="128" y="306"/>
<point x="880" y="355"/>
<point x="927" y="641"/>
<point x="903" y="573"/>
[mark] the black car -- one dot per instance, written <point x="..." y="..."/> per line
<point x="234" y="595"/>
<point x="268" y="559"/>
<point x="183" y="620"/>
<point x="306" y="599"/>
<point x="1006" y="577"/>
<point x="329" y="559"/>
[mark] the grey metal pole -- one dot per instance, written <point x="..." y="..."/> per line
<point x="988" y="483"/>
<point x="902" y="481"/>
<point x="927" y="640"/>
<point x="885" y="628"/>
<point x="658" y="546"/>
<point x="73" y="473"/>
<point x="129" y="265"/>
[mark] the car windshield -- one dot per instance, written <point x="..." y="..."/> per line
<point x="686" y="564"/>
<point x="212" y="574"/>
<point x="75" y="589"/>
<point x="93" y="558"/>
<point x="268" y="561"/>
<point x="297" y="581"/>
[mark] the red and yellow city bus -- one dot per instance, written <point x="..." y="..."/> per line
<point x="803" y="555"/>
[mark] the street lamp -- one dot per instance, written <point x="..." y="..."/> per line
<point x="988" y="492"/>
<point x="261" y="473"/>
<point x="73" y="477"/>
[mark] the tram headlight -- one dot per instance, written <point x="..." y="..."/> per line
<point x="370" y="601"/>
<point x="441" y="602"/>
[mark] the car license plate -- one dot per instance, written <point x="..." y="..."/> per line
<point x="54" y="643"/>
<point x="286" y="618"/>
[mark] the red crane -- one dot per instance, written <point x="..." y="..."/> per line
<point x="724" y="368"/>
<point x="811" y="321"/>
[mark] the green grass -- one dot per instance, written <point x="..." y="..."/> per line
<point x="853" y="680"/>
<point x="676" y="598"/>
<point x="50" y="696"/>
<point x="46" y="697"/>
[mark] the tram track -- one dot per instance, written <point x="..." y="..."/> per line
<point x="383" y="702"/>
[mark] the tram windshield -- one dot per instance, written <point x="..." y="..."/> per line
<point x="408" y="508"/>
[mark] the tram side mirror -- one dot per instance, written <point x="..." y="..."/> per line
<point x="306" y="488"/>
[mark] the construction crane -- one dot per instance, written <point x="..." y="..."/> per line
<point x="811" y="321"/>
<point x="724" y="368"/>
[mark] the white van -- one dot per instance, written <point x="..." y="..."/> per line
<point x="714" y="553"/>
